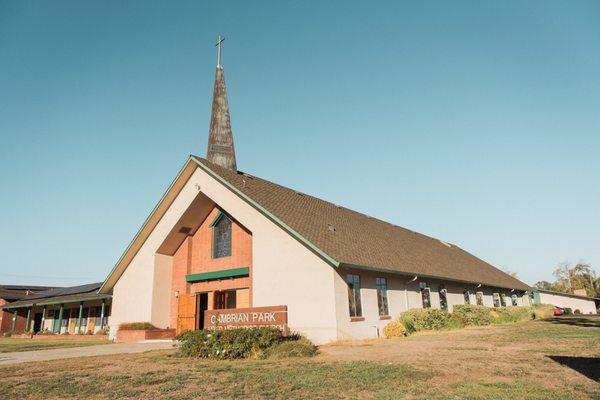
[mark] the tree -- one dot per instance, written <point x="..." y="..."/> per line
<point x="568" y="279"/>
<point x="583" y="276"/>
<point x="544" y="285"/>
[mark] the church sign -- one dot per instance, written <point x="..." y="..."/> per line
<point x="274" y="316"/>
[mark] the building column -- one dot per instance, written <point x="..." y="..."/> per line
<point x="28" y="319"/>
<point x="102" y="314"/>
<point x="78" y="327"/>
<point x="60" y="317"/>
<point x="43" y="319"/>
<point x="14" y="324"/>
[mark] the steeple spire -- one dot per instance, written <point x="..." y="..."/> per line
<point x="220" y="141"/>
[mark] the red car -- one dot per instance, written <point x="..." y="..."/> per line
<point x="558" y="311"/>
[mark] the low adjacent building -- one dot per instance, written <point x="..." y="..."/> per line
<point x="585" y="304"/>
<point x="74" y="310"/>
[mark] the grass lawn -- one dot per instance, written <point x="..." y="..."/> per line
<point x="8" y="345"/>
<point x="555" y="359"/>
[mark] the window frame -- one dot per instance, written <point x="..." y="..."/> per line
<point x="442" y="292"/>
<point x="381" y="287"/>
<point x="354" y="295"/>
<point x="423" y="288"/>
<point x="224" y="298"/>
<point x="467" y="296"/>
<point x="214" y="227"/>
<point x="478" y="297"/>
<point x="496" y="299"/>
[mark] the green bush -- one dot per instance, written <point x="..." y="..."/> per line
<point x="543" y="311"/>
<point x="423" y="319"/>
<point x="103" y="331"/>
<point x="472" y="315"/>
<point x="135" y="326"/>
<point x="290" y="349"/>
<point x="568" y="311"/>
<point x="394" y="330"/>
<point x="505" y="315"/>
<point x="230" y="343"/>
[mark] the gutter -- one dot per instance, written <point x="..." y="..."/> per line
<point x="442" y="278"/>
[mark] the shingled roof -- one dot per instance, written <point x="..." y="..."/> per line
<point x="60" y="295"/>
<point x="357" y="240"/>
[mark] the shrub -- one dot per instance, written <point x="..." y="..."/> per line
<point x="230" y="343"/>
<point x="577" y="311"/>
<point x="301" y="347"/>
<point x="103" y="331"/>
<point x="472" y="315"/>
<point x="134" y="326"/>
<point x="8" y="334"/>
<point x="394" y="330"/>
<point x="543" y="311"/>
<point x="568" y="311"/>
<point x="506" y="315"/>
<point x="421" y="319"/>
<point x="46" y="332"/>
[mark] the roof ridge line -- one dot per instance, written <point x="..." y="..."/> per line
<point x="267" y="213"/>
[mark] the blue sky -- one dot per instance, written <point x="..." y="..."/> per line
<point x="474" y="122"/>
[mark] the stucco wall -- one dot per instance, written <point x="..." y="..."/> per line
<point x="574" y="303"/>
<point x="161" y="303"/>
<point x="134" y="291"/>
<point x="284" y="272"/>
<point x="403" y="294"/>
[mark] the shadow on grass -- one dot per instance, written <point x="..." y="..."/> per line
<point x="590" y="322"/>
<point x="588" y="366"/>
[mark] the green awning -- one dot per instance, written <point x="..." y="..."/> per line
<point x="222" y="274"/>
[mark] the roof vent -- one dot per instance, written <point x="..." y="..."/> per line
<point x="331" y="227"/>
<point x="445" y="244"/>
<point x="185" y="230"/>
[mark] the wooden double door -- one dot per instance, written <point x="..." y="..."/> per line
<point x="190" y="312"/>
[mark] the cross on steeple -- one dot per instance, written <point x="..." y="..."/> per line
<point x="218" y="45"/>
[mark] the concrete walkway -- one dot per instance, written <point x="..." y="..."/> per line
<point x="85" y="351"/>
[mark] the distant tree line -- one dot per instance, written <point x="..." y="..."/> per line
<point x="569" y="278"/>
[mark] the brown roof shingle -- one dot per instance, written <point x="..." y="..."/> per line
<point x="356" y="239"/>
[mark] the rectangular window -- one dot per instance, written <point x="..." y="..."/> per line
<point x="382" y="301"/>
<point x="221" y="230"/>
<point x="443" y="298"/>
<point x="479" y="298"/>
<point x="225" y="299"/>
<point x="503" y="300"/>
<point x="496" y="298"/>
<point x="513" y="299"/>
<point x="467" y="297"/>
<point x="355" y="306"/>
<point x="425" y="295"/>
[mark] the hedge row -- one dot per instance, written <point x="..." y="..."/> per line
<point x="423" y="319"/>
<point x="243" y="343"/>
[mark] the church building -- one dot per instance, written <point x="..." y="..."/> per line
<point x="225" y="248"/>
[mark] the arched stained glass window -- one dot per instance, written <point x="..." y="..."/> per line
<point x="221" y="237"/>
